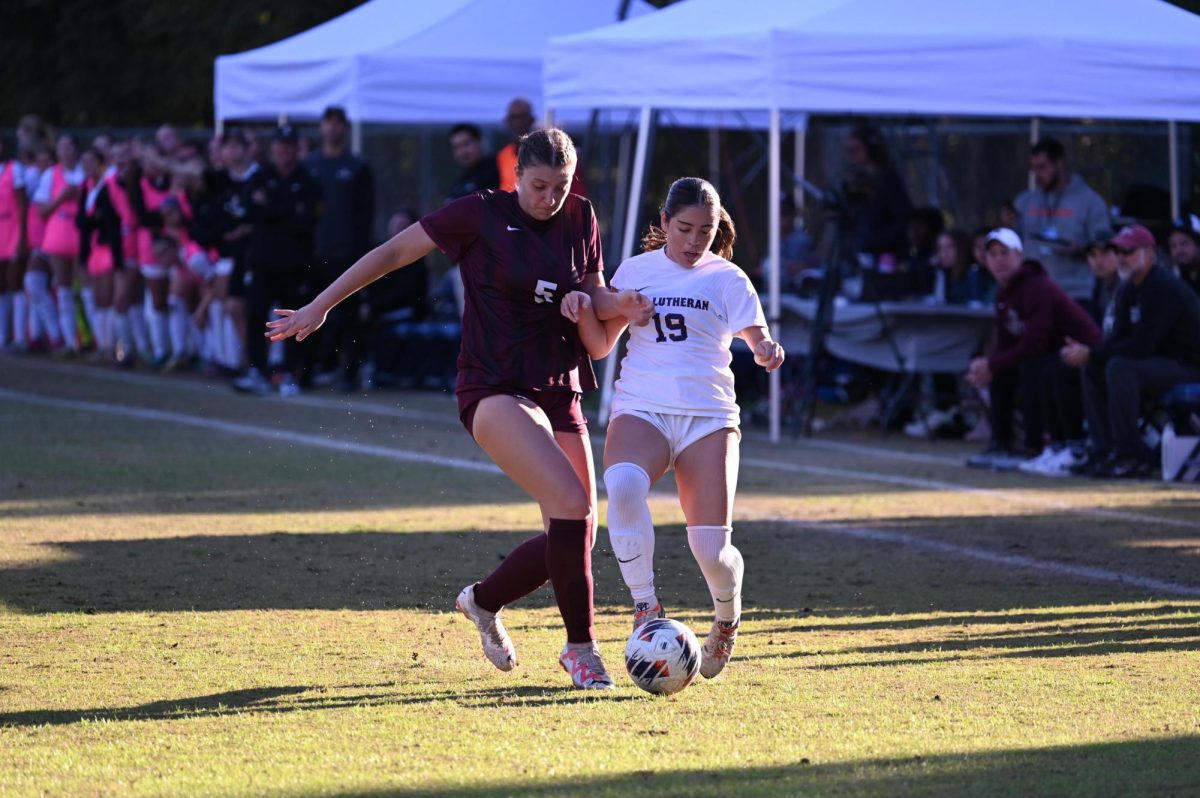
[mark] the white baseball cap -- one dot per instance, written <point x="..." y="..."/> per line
<point x="1006" y="237"/>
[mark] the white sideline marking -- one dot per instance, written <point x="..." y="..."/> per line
<point x="158" y="382"/>
<point x="1006" y="495"/>
<point x="1083" y="572"/>
<point x="283" y="436"/>
<point x="968" y="552"/>
<point x="774" y="465"/>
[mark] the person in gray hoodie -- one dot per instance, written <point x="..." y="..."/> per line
<point x="1059" y="216"/>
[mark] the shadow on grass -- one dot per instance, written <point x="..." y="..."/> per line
<point x="1165" y="767"/>
<point x="275" y="700"/>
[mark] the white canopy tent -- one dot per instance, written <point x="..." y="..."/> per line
<point x="393" y="61"/>
<point x="1067" y="58"/>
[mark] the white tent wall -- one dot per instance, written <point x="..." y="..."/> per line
<point x="1125" y="59"/>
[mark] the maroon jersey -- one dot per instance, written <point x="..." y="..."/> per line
<point x="515" y="271"/>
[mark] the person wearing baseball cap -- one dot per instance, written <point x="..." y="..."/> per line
<point x="1102" y="260"/>
<point x="1033" y="317"/>
<point x="1154" y="346"/>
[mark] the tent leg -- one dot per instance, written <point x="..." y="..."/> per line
<point x="356" y="137"/>
<point x="1035" y="133"/>
<point x="714" y="158"/>
<point x="1173" y="165"/>
<point x="774" y="193"/>
<point x="629" y="234"/>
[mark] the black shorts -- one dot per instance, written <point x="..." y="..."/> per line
<point x="563" y="408"/>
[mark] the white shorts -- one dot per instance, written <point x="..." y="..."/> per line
<point x="224" y="267"/>
<point x="200" y="265"/>
<point x="152" y="271"/>
<point x="681" y="431"/>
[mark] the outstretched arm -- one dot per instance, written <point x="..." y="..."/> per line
<point x="767" y="353"/>
<point x="609" y="304"/>
<point x="404" y="248"/>
<point x="599" y="337"/>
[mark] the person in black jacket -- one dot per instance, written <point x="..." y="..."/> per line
<point x="343" y="235"/>
<point x="283" y="204"/>
<point x="1154" y="346"/>
<point x="100" y="246"/>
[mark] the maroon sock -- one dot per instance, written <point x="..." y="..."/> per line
<point x="522" y="572"/>
<point x="569" y="562"/>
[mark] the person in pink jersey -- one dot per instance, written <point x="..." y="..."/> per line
<point x="12" y="247"/>
<point x="57" y="199"/>
<point x="100" y="243"/>
<point x="43" y="317"/>
<point x="521" y="371"/>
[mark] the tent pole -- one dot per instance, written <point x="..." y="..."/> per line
<point x="548" y="117"/>
<point x="799" y="165"/>
<point x="356" y="137"/>
<point x="627" y="239"/>
<point x="219" y="127"/>
<point x="1173" y="165"/>
<point x="774" y="193"/>
<point x="714" y="158"/>
<point x="282" y="120"/>
<point x="1035" y="133"/>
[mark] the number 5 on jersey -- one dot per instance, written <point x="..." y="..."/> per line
<point x="544" y="291"/>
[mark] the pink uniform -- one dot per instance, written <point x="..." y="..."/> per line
<point x="100" y="255"/>
<point x="153" y="199"/>
<point x="62" y="236"/>
<point x="129" y="222"/>
<point x="10" y="211"/>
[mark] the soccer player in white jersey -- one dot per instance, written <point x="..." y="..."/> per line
<point x="674" y="405"/>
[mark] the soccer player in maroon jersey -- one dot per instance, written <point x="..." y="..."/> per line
<point x="522" y="368"/>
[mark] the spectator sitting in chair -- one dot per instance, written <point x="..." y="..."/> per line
<point x="1102" y="260"/>
<point x="1034" y="318"/>
<point x="1154" y="346"/>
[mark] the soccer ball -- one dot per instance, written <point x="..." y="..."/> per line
<point x="662" y="656"/>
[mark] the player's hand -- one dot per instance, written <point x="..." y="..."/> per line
<point x="574" y="303"/>
<point x="635" y="306"/>
<point x="768" y="354"/>
<point x="300" y="323"/>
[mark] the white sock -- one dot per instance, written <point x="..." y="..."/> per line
<point x="137" y="330"/>
<point x="178" y="323"/>
<point x="20" y="318"/>
<point x="157" y="321"/>
<point x="722" y="566"/>
<point x="38" y="285"/>
<point x="104" y="329"/>
<point x="66" y="316"/>
<point x="630" y="528"/>
<point x="89" y="308"/>
<point x="5" y="318"/>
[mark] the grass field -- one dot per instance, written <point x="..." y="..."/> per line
<point x="205" y="594"/>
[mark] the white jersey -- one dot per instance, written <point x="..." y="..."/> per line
<point x="679" y="362"/>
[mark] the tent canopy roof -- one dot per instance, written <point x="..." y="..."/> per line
<point x="402" y="62"/>
<point x="1065" y="58"/>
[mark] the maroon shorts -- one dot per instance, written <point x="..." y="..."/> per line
<point x="563" y="408"/>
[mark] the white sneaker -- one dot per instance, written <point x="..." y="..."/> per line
<point x="252" y="382"/>
<point x="497" y="645"/>
<point x="1062" y="463"/>
<point x="642" y="612"/>
<point x="586" y="668"/>
<point x="933" y="421"/>
<point x="718" y="648"/>
<point x="1035" y="465"/>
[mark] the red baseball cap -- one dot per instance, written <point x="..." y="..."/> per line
<point x="1134" y="236"/>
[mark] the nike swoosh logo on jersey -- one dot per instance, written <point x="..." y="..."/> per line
<point x="514" y="229"/>
<point x="631" y="559"/>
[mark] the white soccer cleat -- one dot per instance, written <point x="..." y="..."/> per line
<point x="497" y="645"/>
<point x="586" y="668"/>
<point x="642" y="612"/>
<point x="718" y="648"/>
